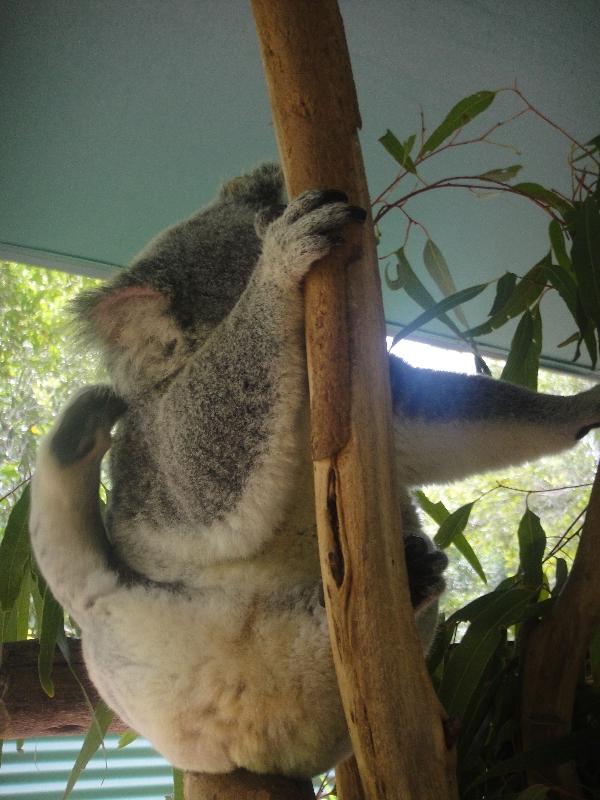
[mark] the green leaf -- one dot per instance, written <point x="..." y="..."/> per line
<point x="400" y="151"/>
<point x="437" y="511"/>
<point x="178" y="784"/>
<point x="463" y="546"/>
<point x="502" y="174"/>
<point x="504" y="289"/>
<point x="560" y="576"/>
<point x="15" y="552"/>
<point x="453" y="525"/>
<point x="523" y="359"/>
<point x="52" y="626"/>
<point x="565" y="748"/>
<point x="525" y="293"/>
<point x="459" y="115"/>
<point x="532" y="544"/>
<point x="436" y="266"/>
<point x="127" y="738"/>
<point x="472" y="655"/>
<point x="408" y="280"/>
<point x="564" y="282"/>
<point x="102" y="718"/>
<point x="557" y="240"/>
<point x="15" y="623"/>
<point x="535" y="792"/>
<point x="585" y="228"/>
<point x="439" y="309"/>
<point x="595" y="661"/>
<point x="546" y="196"/>
<point x="403" y="270"/>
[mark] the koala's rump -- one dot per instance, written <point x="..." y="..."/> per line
<point x="222" y="679"/>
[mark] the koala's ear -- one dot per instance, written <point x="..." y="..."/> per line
<point x="258" y="189"/>
<point x="115" y="315"/>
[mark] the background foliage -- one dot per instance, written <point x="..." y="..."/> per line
<point x="512" y="536"/>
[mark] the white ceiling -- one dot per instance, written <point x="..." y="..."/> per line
<point x="121" y="116"/>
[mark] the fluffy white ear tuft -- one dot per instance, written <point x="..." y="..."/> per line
<point x="123" y="308"/>
<point x="142" y="342"/>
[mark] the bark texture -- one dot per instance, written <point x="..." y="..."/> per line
<point x="394" y="717"/>
<point x="555" y="649"/>
<point x="242" y="785"/>
<point x="28" y="709"/>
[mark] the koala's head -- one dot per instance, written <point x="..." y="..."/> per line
<point x="180" y="287"/>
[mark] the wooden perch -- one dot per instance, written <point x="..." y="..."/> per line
<point x="30" y="712"/>
<point x="395" y="720"/>
<point x="555" y="650"/>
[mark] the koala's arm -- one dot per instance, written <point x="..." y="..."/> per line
<point x="448" y="426"/>
<point x="230" y="421"/>
<point x="67" y="532"/>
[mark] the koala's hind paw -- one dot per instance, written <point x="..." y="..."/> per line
<point x="85" y="425"/>
<point x="425" y="570"/>
<point x="309" y="228"/>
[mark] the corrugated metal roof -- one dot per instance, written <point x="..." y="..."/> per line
<point x="41" y="771"/>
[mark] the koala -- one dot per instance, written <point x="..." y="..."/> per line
<point x="199" y="595"/>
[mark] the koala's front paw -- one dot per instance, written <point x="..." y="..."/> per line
<point x="307" y="230"/>
<point x="425" y="570"/>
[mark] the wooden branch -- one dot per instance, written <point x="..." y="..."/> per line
<point x="555" y="649"/>
<point x="348" y="784"/>
<point x="242" y="785"/>
<point x="29" y="710"/>
<point x="394" y="717"/>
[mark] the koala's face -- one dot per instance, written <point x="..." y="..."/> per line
<point x="181" y="286"/>
<point x="201" y="266"/>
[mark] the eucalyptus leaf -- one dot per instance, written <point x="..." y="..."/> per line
<point x="463" y="546"/>
<point x="560" y="576"/>
<point x="408" y="280"/>
<point x="557" y="751"/>
<point x="557" y="240"/>
<point x="585" y="253"/>
<point x="595" y="660"/>
<point x="126" y="738"/>
<point x="523" y="359"/>
<point x="15" y="622"/>
<point x="437" y="511"/>
<point x="471" y="656"/>
<point x="535" y="792"/>
<point x="454" y="524"/>
<point x="178" y="784"/>
<point x="52" y="626"/>
<point x="15" y="552"/>
<point x="504" y="290"/>
<point x="438" y="269"/>
<point x="547" y="196"/>
<point x="502" y="174"/>
<point x="532" y="544"/>
<point x="400" y="151"/>
<point x="102" y="718"/>
<point x="459" y="115"/>
<point x="525" y="293"/>
<point x="440" y="309"/>
<point x="439" y="648"/>
<point x="565" y="284"/>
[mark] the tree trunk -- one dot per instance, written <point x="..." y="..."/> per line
<point x="242" y="785"/>
<point x="29" y="710"/>
<point x="395" y="720"/>
<point x="555" y="650"/>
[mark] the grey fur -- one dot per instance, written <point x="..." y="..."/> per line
<point x="211" y="519"/>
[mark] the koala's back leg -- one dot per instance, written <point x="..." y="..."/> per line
<point x="448" y="426"/>
<point x="67" y="532"/>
